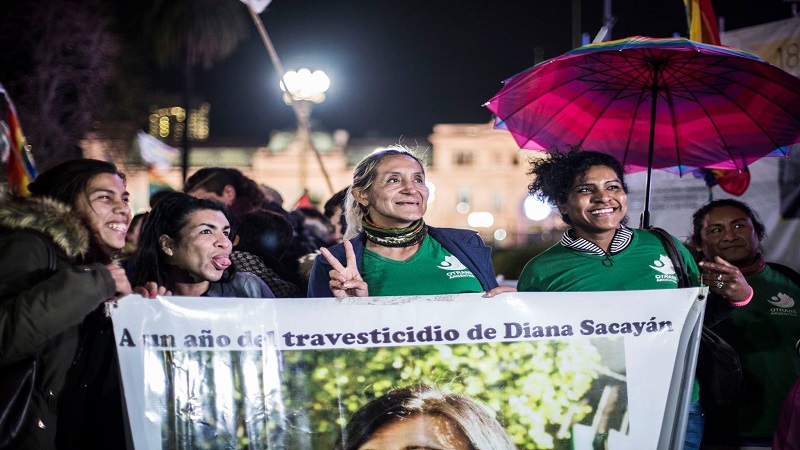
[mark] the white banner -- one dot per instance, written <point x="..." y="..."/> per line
<point x="560" y="370"/>
<point x="674" y="199"/>
<point x="777" y="43"/>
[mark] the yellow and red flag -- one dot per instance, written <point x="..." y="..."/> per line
<point x="15" y="151"/>
<point x="702" y="21"/>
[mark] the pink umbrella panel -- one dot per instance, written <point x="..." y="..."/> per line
<point x="654" y="103"/>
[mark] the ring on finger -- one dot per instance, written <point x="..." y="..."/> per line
<point x="719" y="284"/>
<point x="719" y="277"/>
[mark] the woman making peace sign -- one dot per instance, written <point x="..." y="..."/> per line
<point x="391" y="251"/>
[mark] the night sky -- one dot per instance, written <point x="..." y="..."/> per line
<point x="398" y="67"/>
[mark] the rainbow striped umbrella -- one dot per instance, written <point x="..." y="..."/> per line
<point x="654" y="103"/>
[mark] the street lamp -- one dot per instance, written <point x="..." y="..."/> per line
<point x="302" y="88"/>
<point x="304" y="85"/>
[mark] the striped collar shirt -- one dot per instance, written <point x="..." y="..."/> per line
<point x="622" y="237"/>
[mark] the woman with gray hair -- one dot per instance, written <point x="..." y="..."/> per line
<point x="388" y="244"/>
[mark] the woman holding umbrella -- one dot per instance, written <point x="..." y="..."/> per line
<point x="599" y="252"/>
<point x="590" y="192"/>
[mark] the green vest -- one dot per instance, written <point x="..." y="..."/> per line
<point x="432" y="270"/>
<point x="643" y="264"/>
<point x="765" y="333"/>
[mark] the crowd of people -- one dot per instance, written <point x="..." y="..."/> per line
<point x="73" y="246"/>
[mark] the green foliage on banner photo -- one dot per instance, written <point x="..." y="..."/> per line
<point x="302" y="399"/>
<point x="534" y="387"/>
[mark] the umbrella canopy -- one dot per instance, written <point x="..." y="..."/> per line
<point x="654" y="103"/>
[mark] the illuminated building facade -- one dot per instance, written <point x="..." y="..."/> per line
<point x="476" y="175"/>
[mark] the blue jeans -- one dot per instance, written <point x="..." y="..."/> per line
<point x="694" y="428"/>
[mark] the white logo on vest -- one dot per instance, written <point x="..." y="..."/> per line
<point x="455" y="268"/>
<point x="783" y="305"/>
<point x="451" y="263"/>
<point x="665" y="268"/>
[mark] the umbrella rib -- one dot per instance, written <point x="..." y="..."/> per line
<point x="725" y="145"/>
<point x="668" y="99"/>
<point x="720" y="62"/>
<point x="671" y="106"/>
<point x="523" y="105"/>
<point x="615" y="68"/>
<point x="743" y="110"/>
<point x="618" y="93"/>
<point x="641" y="94"/>
<point x="769" y="99"/>
<point x="605" y="107"/>
<point x="691" y="94"/>
<point x="703" y="81"/>
<point x="555" y="113"/>
<point x="559" y="110"/>
<point x="606" y="78"/>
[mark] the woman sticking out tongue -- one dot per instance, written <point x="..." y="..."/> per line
<point x="185" y="250"/>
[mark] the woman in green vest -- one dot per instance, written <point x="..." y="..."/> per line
<point x="598" y="252"/>
<point x="389" y="249"/>
<point x="765" y="333"/>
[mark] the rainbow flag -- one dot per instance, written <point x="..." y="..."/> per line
<point x="15" y="151"/>
<point x="156" y="181"/>
<point x="159" y="158"/>
<point x="703" y="28"/>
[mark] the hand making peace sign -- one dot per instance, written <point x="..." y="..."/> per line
<point x="345" y="281"/>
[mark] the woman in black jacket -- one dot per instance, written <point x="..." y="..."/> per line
<point x="57" y="250"/>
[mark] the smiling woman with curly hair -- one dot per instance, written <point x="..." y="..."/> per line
<point x="598" y="252"/>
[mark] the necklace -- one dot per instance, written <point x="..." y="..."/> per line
<point x="395" y="237"/>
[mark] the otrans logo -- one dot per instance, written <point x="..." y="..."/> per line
<point x="782" y="300"/>
<point x="451" y="263"/>
<point x="664" y="265"/>
<point x="783" y="305"/>
<point x="666" y="271"/>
